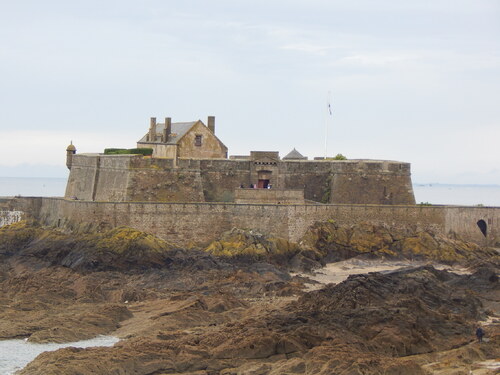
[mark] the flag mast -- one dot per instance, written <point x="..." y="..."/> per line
<point x="327" y="115"/>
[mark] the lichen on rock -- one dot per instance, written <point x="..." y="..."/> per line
<point x="328" y="241"/>
<point x="251" y="244"/>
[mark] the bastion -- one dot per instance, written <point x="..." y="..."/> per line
<point x="189" y="164"/>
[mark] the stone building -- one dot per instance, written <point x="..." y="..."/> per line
<point x="189" y="140"/>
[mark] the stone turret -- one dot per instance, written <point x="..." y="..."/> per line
<point x="70" y="151"/>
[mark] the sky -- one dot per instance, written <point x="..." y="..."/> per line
<point x="414" y="81"/>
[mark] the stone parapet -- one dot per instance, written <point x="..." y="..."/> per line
<point x="270" y="196"/>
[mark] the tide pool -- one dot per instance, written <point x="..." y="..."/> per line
<point x="15" y="354"/>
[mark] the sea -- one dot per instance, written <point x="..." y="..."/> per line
<point x="428" y="193"/>
<point x="15" y="354"/>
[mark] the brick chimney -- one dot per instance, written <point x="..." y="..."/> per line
<point x="211" y="123"/>
<point x="168" y="129"/>
<point x="152" y="130"/>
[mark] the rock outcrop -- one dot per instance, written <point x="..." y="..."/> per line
<point x="330" y="242"/>
<point x="234" y="309"/>
<point x="369" y="324"/>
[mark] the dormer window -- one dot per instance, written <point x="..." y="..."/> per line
<point x="197" y="140"/>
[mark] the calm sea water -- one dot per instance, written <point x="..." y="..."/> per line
<point x="15" y="354"/>
<point x="470" y="195"/>
<point x="32" y="186"/>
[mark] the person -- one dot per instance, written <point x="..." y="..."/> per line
<point x="479" y="334"/>
<point x="251" y="186"/>
<point x="241" y="186"/>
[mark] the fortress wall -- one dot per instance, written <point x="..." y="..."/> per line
<point x="350" y="181"/>
<point x="193" y="180"/>
<point x="463" y="221"/>
<point x="98" y="177"/>
<point x="221" y="177"/>
<point x="166" y="185"/>
<point x="378" y="188"/>
<point x="13" y="210"/>
<point x="134" y="178"/>
<point x="178" y="223"/>
<point x="81" y="180"/>
<point x="313" y="177"/>
<point x="156" y="180"/>
<point x="112" y="179"/>
<point x="199" y="223"/>
<point x="372" y="182"/>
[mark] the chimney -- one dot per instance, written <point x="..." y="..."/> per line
<point x="152" y="130"/>
<point x="211" y="123"/>
<point x="168" y="129"/>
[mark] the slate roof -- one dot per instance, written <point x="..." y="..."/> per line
<point x="294" y="155"/>
<point x="179" y="129"/>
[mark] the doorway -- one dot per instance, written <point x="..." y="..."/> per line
<point x="264" y="179"/>
<point x="483" y="227"/>
<point x="263" y="184"/>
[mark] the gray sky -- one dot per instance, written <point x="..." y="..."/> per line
<point x="416" y="81"/>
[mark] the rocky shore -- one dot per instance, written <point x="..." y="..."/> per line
<point x="249" y="304"/>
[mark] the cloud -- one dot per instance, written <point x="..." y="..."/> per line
<point x="308" y="48"/>
<point x="377" y="59"/>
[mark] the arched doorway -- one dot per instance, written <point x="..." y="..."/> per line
<point x="483" y="227"/>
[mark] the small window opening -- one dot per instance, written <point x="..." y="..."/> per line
<point x="483" y="227"/>
<point x="197" y="140"/>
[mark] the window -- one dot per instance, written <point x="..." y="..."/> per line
<point x="197" y="140"/>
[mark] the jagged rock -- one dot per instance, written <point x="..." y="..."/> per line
<point x="328" y="241"/>
<point x="250" y="244"/>
<point x="188" y="312"/>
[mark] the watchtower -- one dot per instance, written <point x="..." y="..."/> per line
<point x="70" y="151"/>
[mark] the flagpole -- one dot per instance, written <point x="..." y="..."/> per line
<point x="326" y="127"/>
<point x="327" y="113"/>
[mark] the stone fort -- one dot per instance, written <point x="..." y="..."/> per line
<point x="188" y="191"/>
<point x="190" y="164"/>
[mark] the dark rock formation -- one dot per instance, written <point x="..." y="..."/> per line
<point x="188" y="312"/>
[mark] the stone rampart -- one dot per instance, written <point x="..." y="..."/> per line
<point x="190" y="223"/>
<point x="100" y="177"/>
<point x="121" y="178"/>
